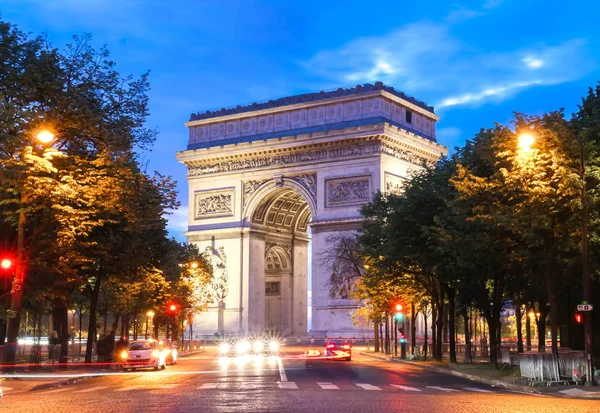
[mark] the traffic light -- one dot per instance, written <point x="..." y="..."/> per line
<point x="402" y="338"/>
<point x="6" y="264"/>
<point x="399" y="317"/>
<point x="398" y="307"/>
<point x="578" y="318"/>
<point x="172" y="308"/>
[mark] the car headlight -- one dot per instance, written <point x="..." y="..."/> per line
<point x="242" y="347"/>
<point x="124" y="355"/>
<point x="224" y="348"/>
<point x="273" y="346"/>
<point x="258" y="346"/>
<point x="155" y="354"/>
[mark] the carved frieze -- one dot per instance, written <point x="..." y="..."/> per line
<point x="298" y="157"/>
<point x="347" y="191"/>
<point x="308" y="181"/>
<point x="250" y="187"/>
<point x="214" y="203"/>
<point x="394" y="183"/>
<point x="405" y="155"/>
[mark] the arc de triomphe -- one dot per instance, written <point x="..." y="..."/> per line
<point x="269" y="183"/>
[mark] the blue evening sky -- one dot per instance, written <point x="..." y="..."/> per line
<point x="475" y="61"/>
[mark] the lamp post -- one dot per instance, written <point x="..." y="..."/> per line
<point x="149" y="316"/>
<point x="16" y="292"/>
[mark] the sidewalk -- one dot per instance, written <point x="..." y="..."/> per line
<point x="495" y="378"/>
<point x="49" y="377"/>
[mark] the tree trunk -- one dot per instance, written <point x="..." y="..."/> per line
<point x="387" y="334"/>
<point x="541" y="325"/>
<point x="433" y="330"/>
<point x="426" y="338"/>
<point x="92" y="321"/>
<point x="376" y="335"/>
<point x="413" y="327"/>
<point x="518" y="317"/>
<point x="493" y="339"/>
<point x="468" y="355"/>
<point x="452" y="323"/>
<point x="527" y="329"/>
<point x="440" y="328"/>
<point x="60" y="324"/>
<point x="2" y="331"/>
<point x="553" y="313"/>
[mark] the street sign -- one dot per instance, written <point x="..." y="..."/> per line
<point x="585" y="307"/>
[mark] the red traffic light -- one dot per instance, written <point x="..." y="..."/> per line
<point x="6" y="264"/>
<point x="173" y="307"/>
<point x="398" y="307"/>
<point x="578" y="318"/>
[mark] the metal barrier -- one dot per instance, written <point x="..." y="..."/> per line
<point x="541" y="368"/>
<point x="572" y="366"/>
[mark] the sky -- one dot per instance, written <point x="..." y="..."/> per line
<point x="476" y="62"/>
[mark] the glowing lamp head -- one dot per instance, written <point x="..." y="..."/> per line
<point x="398" y="307"/>
<point x="194" y="265"/>
<point x="45" y="136"/>
<point x="6" y="263"/>
<point x="526" y="141"/>
<point x="124" y="355"/>
<point x="258" y="346"/>
<point x="172" y="307"/>
<point x="273" y="346"/>
<point x="150" y="313"/>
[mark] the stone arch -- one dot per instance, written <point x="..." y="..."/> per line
<point x="270" y="188"/>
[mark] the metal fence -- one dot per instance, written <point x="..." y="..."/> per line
<point x="546" y="368"/>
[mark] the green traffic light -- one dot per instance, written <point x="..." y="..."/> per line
<point x="399" y="316"/>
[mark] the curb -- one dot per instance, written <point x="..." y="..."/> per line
<point x="59" y="384"/>
<point x="479" y="379"/>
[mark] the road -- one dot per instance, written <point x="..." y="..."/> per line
<point x="206" y="383"/>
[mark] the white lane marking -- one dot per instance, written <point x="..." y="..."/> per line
<point x="54" y="391"/>
<point x="326" y="385"/>
<point x="91" y="389"/>
<point x="6" y="388"/>
<point x="209" y="386"/>
<point x="406" y="388"/>
<point x="281" y="369"/>
<point x="129" y="388"/>
<point x="577" y="391"/>
<point x="165" y="386"/>
<point x="367" y="386"/>
<point x="528" y="394"/>
<point x="476" y="389"/>
<point x="445" y="389"/>
<point x="288" y="385"/>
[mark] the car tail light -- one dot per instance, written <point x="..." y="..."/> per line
<point x="346" y="347"/>
<point x="330" y="345"/>
<point x="124" y="354"/>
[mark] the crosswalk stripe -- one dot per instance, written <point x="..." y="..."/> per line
<point x="129" y="388"/>
<point x="406" y="388"/>
<point x="445" y="389"/>
<point x="91" y="389"/>
<point x="6" y="388"/>
<point x="288" y="385"/>
<point x="529" y="394"/>
<point x="54" y="391"/>
<point x="367" y="386"/>
<point x="209" y="386"/>
<point x="477" y="389"/>
<point x="165" y="386"/>
<point x="325" y="385"/>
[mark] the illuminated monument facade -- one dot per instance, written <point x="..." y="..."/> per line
<point x="270" y="183"/>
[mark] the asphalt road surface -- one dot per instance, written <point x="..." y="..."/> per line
<point x="206" y="383"/>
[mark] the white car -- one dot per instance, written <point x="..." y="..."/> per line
<point x="142" y="354"/>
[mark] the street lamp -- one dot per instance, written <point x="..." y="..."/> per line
<point x="149" y="315"/>
<point x="16" y="293"/>
<point x="525" y="142"/>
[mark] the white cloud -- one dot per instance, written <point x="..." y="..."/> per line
<point x="178" y="219"/>
<point x="427" y="60"/>
<point x="532" y="62"/>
